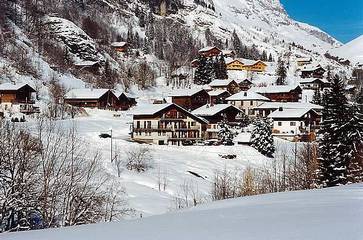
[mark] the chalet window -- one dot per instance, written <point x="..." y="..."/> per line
<point x="148" y="124"/>
<point x="292" y="124"/>
<point x="137" y="124"/>
<point x="279" y="124"/>
<point x="241" y="103"/>
<point x="194" y="124"/>
<point x="251" y="103"/>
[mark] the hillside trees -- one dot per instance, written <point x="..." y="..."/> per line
<point x="281" y="72"/>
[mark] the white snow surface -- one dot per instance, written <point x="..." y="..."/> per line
<point x="352" y="51"/>
<point x="333" y="214"/>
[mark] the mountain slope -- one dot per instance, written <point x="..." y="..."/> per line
<point x="352" y="51"/>
<point x="315" y="214"/>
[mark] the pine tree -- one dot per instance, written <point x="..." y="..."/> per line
<point x="281" y="72"/>
<point x="317" y="99"/>
<point x="237" y="44"/>
<point x="334" y="146"/>
<point x="270" y="58"/>
<point x="225" y="134"/>
<point x="204" y="72"/>
<point x="220" y="68"/>
<point x="262" y="138"/>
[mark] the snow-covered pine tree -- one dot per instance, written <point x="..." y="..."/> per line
<point x="334" y="145"/>
<point x="220" y="68"/>
<point x="262" y="138"/>
<point x="281" y="72"/>
<point x="225" y="134"/>
<point x="317" y="98"/>
<point x="199" y="77"/>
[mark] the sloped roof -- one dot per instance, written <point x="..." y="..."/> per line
<point x="221" y="82"/>
<point x="275" y="89"/>
<point x="311" y="67"/>
<point x="118" y="44"/>
<point x="208" y="110"/>
<point x="185" y="92"/>
<point x="289" y="105"/>
<point x="152" y="109"/>
<point x="247" y="96"/>
<point x="217" y="92"/>
<point x="311" y="80"/>
<point x="247" y="62"/>
<point x="208" y="48"/>
<point x="289" y="113"/>
<point x="86" y="93"/>
<point x="303" y="59"/>
<point x="13" y="87"/>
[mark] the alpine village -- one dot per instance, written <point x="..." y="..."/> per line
<point x="116" y="110"/>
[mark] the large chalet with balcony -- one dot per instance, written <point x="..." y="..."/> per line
<point x="285" y="93"/>
<point x="190" y="99"/>
<point x="246" y="65"/>
<point x="215" y="114"/>
<point x="166" y="124"/>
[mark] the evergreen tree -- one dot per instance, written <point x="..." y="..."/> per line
<point x="262" y="138"/>
<point x="204" y="72"/>
<point x="270" y="58"/>
<point x="225" y="134"/>
<point x="220" y="68"/>
<point x="281" y="72"/>
<point x="317" y="99"/>
<point x="336" y="145"/>
<point x="237" y="44"/>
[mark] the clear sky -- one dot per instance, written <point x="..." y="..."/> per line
<point x="343" y="19"/>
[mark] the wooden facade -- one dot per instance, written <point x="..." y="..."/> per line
<point x="191" y="101"/>
<point x="245" y="85"/>
<point x="120" y="47"/>
<point x="125" y="102"/>
<point x="210" y="52"/>
<point x="169" y="125"/>
<point x="108" y="100"/>
<point x="317" y="72"/>
<point x="283" y="95"/>
<point x="218" y="96"/>
<point x="228" y="85"/>
<point x="21" y="94"/>
<point x="242" y="65"/>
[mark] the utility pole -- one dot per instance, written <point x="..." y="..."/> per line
<point x="111" y="145"/>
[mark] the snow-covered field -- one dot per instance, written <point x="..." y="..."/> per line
<point x="169" y="162"/>
<point x="334" y="213"/>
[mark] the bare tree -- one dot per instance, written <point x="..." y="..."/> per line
<point x="139" y="159"/>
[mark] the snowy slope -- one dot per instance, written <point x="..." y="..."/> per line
<point x="352" y="51"/>
<point x="334" y="213"/>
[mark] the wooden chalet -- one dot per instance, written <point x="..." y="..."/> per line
<point x="189" y="99"/>
<point x="16" y="93"/>
<point x="314" y="83"/>
<point x="284" y="93"/>
<point x="92" y="98"/>
<point x="311" y="71"/>
<point x="302" y="61"/>
<point x="166" y="124"/>
<point x="229" y="54"/>
<point x="215" y="114"/>
<point x="89" y="66"/>
<point x="218" y="96"/>
<point x="225" y="84"/>
<point x="210" y="51"/>
<point x="120" y="47"/>
<point x="267" y="108"/>
<point x="125" y="101"/>
<point x="246" y="65"/>
<point x="295" y="124"/>
<point x="244" y="85"/>
<point x="194" y="63"/>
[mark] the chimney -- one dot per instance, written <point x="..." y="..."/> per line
<point x="245" y="94"/>
<point x="281" y="109"/>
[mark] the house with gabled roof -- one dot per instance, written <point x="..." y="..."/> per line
<point x="246" y="65"/>
<point x="119" y="46"/>
<point x="267" y="108"/>
<point x="92" y="98"/>
<point x="225" y="84"/>
<point x="166" y="124"/>
<point x="215" y="114"/>
<point x="244" y="85"/>
<point x="314" y="83"/>
<point x="218" y="96"/>
<point x="312" y="71"/>
<point x="210" y="51"/>
<point x="281" y="93"/>
<point x="125" y="100"/>
<point x="21" y="94"/>
<point x="247" y="101"/>
<point x="189" y="99"/>
<point x="295" y="124"/>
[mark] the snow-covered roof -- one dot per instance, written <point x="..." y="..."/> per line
<point x="275" y="89"/>
<point x="86" y="93"/>
<point x="311" y="67"/>
<point x="289" y="113"/>
<point x="310" y="80"/>
<point x="86" y="63"/>
<point x="221" y="82"/>
<point x="248" y="62"/>
<point x="118" y="44"/>
<point x="217" y="92"/>
<point x="152" y="109"/>
<point x="289" y="105"/>
<point x="185" y="92"/>
<point x="303" y="59"/>
<point x="247" y="96"/>
<point x="208" y="48"/>
<point x="119" y="93"/>
<point x="227" y="52"/>
<point x="208" y="110"/>
<point x="12" y="87"/>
